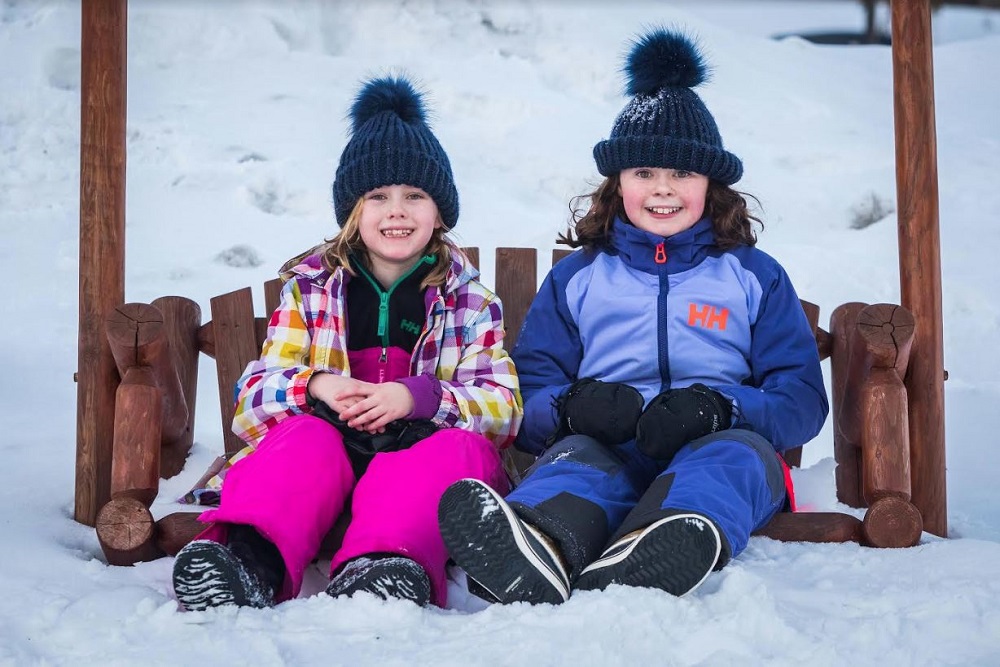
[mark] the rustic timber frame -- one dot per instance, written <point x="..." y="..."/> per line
<point x="868" y="348"/>
<point x="887" y="361"/>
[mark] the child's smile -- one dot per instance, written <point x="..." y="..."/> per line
<point x="397" y="222"/>
<point x="663" y="201"/>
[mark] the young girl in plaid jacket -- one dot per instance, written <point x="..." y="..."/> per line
<point x="383" y="379"/>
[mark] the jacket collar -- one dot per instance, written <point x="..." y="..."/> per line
<point x="309" y="265"/>
<point x="638" y="248"/>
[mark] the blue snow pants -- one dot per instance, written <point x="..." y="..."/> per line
<point x="586" y="495"/>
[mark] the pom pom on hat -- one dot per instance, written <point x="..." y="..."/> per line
<point x="662" y="59"/>
<point x="392" y="144"/>
<point x="394" y="94"/>
<point x="666" y="124"/>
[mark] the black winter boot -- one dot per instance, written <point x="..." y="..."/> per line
<point x="385" y="576"/>
<point x="675" y="554"/>
<point x="208" y="574"/>
<point x="247" y="571"/>
<point x="510" y="558"/>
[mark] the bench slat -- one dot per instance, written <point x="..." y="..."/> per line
<point x="516" y="283"/>
<point x="233" y="322"/>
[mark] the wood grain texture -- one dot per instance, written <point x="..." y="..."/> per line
<point x="892" y="522"/>
<point x="126" y="532"/>
<point x="138" y="337"/>
<point x="920" y="252"/>
<point x="135" y="466"/>
<point x="234" y="329"/>
<point x="181" y="323"/>
<point x="102" y="244"/>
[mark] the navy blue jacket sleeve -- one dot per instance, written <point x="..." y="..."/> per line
<point x="787" y="402"/>
<point x="547" y="357"/>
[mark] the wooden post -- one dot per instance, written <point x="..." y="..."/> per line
<point x="137" y="338"/>
<point x="102" y="244"/>
<point x="127" y="532"/>
<point x="919" y="253"/>
<point x="885" y="335"/>
<point x="891" y="522"/>
<point x="135" y="469"/>
<point x="846" y="436"/>
<point x="181" y="322"/>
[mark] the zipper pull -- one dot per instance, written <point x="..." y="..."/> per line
<point x="383" y="314"/>
<point x="661" y="253"/>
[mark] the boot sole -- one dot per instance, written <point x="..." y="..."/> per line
<point x="409" y="583"/>
<point x="487" y="540"/>
<point x="673" y="554"/>
<point x="207" y="575"/>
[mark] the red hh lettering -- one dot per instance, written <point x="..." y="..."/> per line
<point x="707" y="317"/>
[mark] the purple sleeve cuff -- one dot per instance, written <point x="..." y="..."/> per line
<point x="426" y="391"/>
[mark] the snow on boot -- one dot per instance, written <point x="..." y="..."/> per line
<point x="208" y="574"/>
<point x="675" y="554"/>
<point x="385" y="576"/>
<point x="511" y="559"/>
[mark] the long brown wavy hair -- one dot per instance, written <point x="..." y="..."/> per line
<point x="349" y="242"/>
<point x="732" y="221"/>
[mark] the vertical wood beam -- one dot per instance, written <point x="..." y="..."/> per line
<point x="102" y="244"/>
<point x="920" y="253"/>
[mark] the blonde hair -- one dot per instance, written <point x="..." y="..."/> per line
<point x="349" y="242"/>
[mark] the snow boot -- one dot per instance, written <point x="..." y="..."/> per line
<point x="675" y="554"/>
<point x="511" y="559"/>
<point x="385" y="576"/>
<point x="209" y="574"/>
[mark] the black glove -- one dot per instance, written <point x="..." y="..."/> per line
<point x="606" y="411"/>
<point x="399" y="434"/>
<point x="677" y="416"/>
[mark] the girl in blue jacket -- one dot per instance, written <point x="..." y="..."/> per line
<point x="664" y="367"/>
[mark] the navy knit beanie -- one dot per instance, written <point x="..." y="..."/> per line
<point x="391" y="144"/>
<point x="666" y="124"/>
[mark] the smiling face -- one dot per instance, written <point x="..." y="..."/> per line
<point x="396" y="223"/>
<point x="663" y="201"/>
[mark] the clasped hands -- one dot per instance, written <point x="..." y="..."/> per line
<point x="612" y="413"/>
<point x="364" y="406"/>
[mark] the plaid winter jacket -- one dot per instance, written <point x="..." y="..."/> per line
<point x="461" y="345"/>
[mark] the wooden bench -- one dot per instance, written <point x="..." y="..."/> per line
<point x="156" y="348"/>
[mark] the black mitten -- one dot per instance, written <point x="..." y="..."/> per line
<point x="415" y="431"/>
<point x="678" y="416"/>
<point x="606" y="411"/>
<point x="360" y="441"/>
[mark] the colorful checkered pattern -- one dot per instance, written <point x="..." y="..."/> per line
<point x="461" y="344"/>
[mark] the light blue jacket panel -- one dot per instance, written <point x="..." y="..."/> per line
<point x="728" y="319"/>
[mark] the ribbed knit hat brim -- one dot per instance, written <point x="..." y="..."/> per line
<point x="667" y="152"/>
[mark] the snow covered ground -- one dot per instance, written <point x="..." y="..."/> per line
<point x="236" y="121"/>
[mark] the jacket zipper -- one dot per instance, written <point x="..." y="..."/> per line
<point x="664" y="345"/>
<point x="383" y="301"/>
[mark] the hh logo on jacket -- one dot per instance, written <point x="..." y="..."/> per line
<point x="707" y="317"/>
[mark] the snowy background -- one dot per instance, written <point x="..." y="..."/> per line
<point x="236" y="121"/>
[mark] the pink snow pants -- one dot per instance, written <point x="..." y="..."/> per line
<point x="293" y="488"/>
